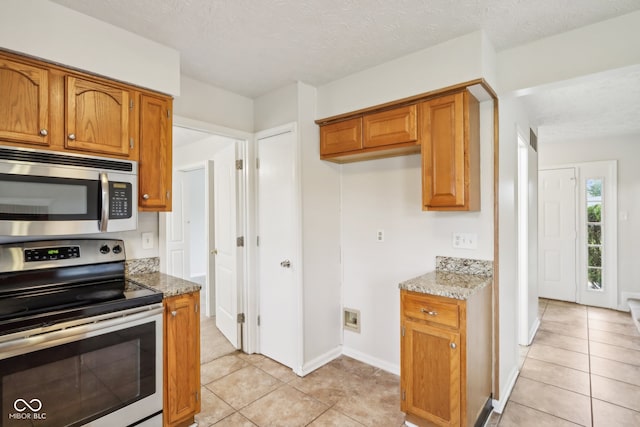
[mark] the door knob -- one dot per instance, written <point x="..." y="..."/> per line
<point x="44" y="132"/>
<point x="286" y="263"/>
<point x="145" y="196"/>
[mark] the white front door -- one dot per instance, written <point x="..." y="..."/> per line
<point x="223" y="206"/>
<point x="557" y="234"/>
<point x="279" y="265"/>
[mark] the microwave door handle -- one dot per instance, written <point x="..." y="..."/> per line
<point x="104" y="189"/>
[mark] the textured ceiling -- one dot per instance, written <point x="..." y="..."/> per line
<point x="251" y="47"/>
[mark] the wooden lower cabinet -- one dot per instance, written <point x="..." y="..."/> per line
<point x="445" y="376"/>
<point x="181" y="359"/>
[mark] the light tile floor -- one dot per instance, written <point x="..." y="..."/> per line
<point x="253" y="390"/>
<point x="583" y="368"/>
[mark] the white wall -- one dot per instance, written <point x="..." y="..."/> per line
<point x="626" y="150"/>
<point x="512" y="117"/>
<point x="276" y="108"/>
<point x="591" y="49"/>
<point x="52" y="32"/>
<point x="459" y="60"/>
<point x="206" y="103"/>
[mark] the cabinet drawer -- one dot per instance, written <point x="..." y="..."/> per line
<point x="389" y="127"/>
<point x="425" y="307"/>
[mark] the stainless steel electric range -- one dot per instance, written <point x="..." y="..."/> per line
<point x="79" y="345"/>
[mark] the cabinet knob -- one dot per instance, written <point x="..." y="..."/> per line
<point x="72" y="136"/>
<point x="429" y="312"/>
<point x="145" y="196"/>
<point x="174" y="313"/>
<point x="453" y="345"/>
<point x="44" y="132"/>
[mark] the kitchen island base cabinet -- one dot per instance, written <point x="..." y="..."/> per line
<point x="445" y="377"/>
<point x="181" y="359"/>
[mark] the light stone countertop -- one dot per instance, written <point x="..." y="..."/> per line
<point x="169" y="285"/>
<point x="447" y="284"/>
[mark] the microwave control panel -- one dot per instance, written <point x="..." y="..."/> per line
<point x="120" y="200"/>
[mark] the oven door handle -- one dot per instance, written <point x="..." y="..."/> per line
<point x="104" y="191"/>
<point x="76" y="330"/>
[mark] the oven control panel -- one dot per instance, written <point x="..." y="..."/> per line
<point x="52" y="253"/>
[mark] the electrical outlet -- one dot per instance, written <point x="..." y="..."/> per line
<point x="147" y="240"/>
<point x="465" y="240"/>
<point x="380" y="236"/>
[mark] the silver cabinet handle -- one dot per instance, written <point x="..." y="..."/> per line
<point x="145" y="196"/>
<point x="286" y="263"/>
<point x="173" y="313"/>
<point x="453" y="345"/>
<point x="429" y="312"/>
<point x="72" y="136"/>
<point x="44" y="132"/>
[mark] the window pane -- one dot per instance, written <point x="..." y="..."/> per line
<point x="595" y="278"/>
<point x="594" y="234"/>
<point x="594" y="212"/>
<point x="595" y="256"/>
<point x="594" y="189"/>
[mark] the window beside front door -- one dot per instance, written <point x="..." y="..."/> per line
<point x="595" y="210"/>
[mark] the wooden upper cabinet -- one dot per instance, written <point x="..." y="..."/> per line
<point x="394" y="126"/>
<point x="341" y="137"/>
<point x="24" y="103"/>
<point x="450" y="153"/>
<point x="97" y="117"/>
<point x="155" y="153"/>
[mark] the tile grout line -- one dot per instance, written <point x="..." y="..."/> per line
<point x="590" y="382"/>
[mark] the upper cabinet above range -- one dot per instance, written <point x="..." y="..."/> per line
<point x="45" y="105"/>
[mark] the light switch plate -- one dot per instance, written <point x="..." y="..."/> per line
<point x="147" y="240"/>
<point x="465" y="240"/>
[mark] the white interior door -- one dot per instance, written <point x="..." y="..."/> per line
<point x="278" y="261"/>
<point x="176" y="234"/>
<point x="557" y="234"/>
<point x="224" y="242"/>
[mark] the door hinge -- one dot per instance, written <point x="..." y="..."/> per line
<point x="257" y="240"/>
<point x="131" y="104"/>
<point x="257" y="163"/>
<point x="131" y="142"/>
<point x="404" y="395"/>
<point x="258" y="320"/>
<point x="168" y="113"/>
<point x="403" y="331"/>
<point x="240" y="242"/>
<point x="168" y="195"/>
<point x="240" y="317"/>
<point x="239" y="164"/>
<point x="197" y="396"/>
<point x="196" y="307"/>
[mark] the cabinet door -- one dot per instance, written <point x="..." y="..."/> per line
<point x="182" y="358"/>
<point x="97" y="117"/>
<point x="394" y="126"/>
<point x="155" y="156"/>
<point x="444" y="173"/>
<point x="341" y="137"/>
<point x="430" y="373"/>
<point x="24" y="103"/>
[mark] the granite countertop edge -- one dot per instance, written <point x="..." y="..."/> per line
<point x="170" y="286"/>
<point x="448" y="284"/>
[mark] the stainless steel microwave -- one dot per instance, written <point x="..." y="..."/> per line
<point x="47" y="193"/>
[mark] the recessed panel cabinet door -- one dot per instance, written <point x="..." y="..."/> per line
<point x="24" y="103"/>
<point x="155" y="157"/>
<point x="97" y="117"/>
<point x="431" y="373"/>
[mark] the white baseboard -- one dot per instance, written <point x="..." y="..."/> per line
<point x="373" y="361"/>
<point x="498" y="405"/>
<point x="319" y="361"/>
<point x="624" y="297"/>
<point x="533" y="331"/>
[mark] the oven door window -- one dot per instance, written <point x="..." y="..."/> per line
<point x="43" y="198"/>
<point x="75" y="383"/>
